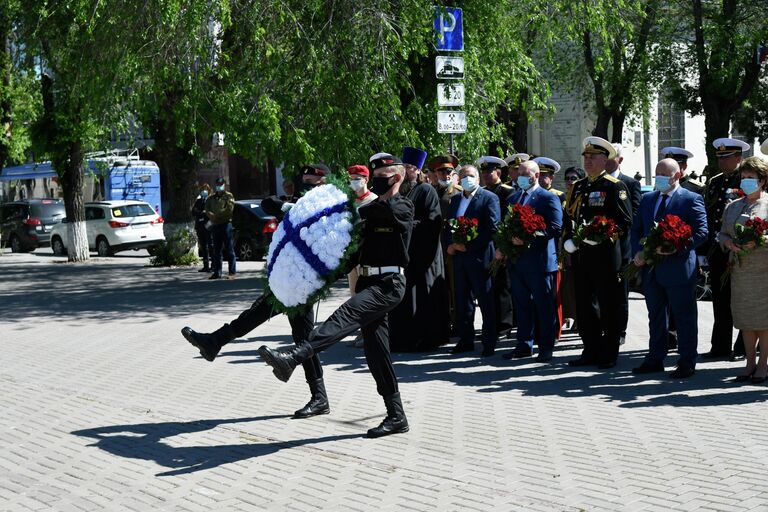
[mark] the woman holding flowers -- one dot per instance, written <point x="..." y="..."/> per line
<point x="743" y="234"/>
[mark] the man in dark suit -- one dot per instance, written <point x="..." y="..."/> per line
<point x="613" y="168"/>
<point x="533" y="275"/>
<point x="471" y="262"/>
<point x="600" y="297"/>
<point x="670" y="284"/>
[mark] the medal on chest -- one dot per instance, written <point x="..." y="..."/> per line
<point x="596" y="198"/>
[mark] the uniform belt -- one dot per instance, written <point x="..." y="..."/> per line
<point x="366" y="271"/>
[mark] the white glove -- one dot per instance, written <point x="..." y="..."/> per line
<point x="286" y="206"/>
<point x="589" y="242"/>
<point x="570" y="247"/>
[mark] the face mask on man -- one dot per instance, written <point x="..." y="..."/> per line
<point x="661" y="183"/>
<point x="749" y="185"/>
<point x="525" y="182"/>
<point x="380" y="185"/>
<point x="204" y="194"/>
<point x="469" y="183"/>
<point x="444" y="183"/>
<point x="219" y="188"/>
<point x="357" y="184"/>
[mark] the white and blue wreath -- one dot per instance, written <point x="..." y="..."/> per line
<point x="310" y="247"/>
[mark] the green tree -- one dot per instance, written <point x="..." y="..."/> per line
<point x="84" y="53"/>
<point x="722" y="57"/>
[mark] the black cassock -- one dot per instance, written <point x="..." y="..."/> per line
<point x="421" y="321"/>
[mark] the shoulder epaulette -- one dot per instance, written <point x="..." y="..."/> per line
<point x="611" y="178"/>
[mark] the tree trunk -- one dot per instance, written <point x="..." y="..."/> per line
<point x="601" y="125"/>
<point x="72" y="185"/>
<point x="617" y="126"/>
<point x="717" y="123"/>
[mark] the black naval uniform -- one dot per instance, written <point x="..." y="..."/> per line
<point x="382" y="257"/>
<point x="500" y="281"/>
<point x="600" y="298"/>
<point x="716" y="199"/>
<point x="693" y="185"/>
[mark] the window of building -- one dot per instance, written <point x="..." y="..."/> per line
<point x="671" y="125"/>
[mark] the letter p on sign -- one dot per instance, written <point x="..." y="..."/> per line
<point x="449" y="29"/>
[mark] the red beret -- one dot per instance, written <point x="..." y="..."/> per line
<point x="358" y="169"/>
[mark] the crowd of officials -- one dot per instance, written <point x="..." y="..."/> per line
<point x="415" y="286"/>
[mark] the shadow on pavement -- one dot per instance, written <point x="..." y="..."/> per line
<point x="144" y="441"/>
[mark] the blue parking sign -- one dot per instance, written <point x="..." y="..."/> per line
<point x="449" y="29"/>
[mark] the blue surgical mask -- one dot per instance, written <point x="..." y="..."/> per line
<point x="524" y="182"/>
<point x="219" y="188"/>
<point x="749" y="185"/>
<point x="204" y="194"/>
<point x="469" y="183"/>
<point x="661" y="183"/>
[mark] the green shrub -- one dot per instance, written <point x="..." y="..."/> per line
<point x="176" y="251"/>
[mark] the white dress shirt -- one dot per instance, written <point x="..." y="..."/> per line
<point x="669" y="195"/>
<point x="464" y="203"/>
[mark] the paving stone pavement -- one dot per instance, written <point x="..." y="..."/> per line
<point x="106" y="407"/>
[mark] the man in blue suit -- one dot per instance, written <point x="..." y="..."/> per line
<point x="533" y="275"/>
<point x="471" y="262"/>
<point x="670" y="284"/>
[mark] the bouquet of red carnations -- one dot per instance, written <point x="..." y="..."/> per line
<point x="521" y="222"/>
<point x="597" y="231"/>
<point x="749" y="236"/>
<point x="463" y="229"/>
<point x="664" y="239"/>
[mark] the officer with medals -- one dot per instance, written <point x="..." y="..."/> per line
<point x="548" y="168"/>
<point x="681" y="156"/>
<point x="721" y="190"/>
<point x="597" y="268"/>
<point x="491" y="169"/>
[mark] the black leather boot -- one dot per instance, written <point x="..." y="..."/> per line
<point x="283" y="362"/>
<point x="209" y="344"/>
<point x="318" y="404"/>
<point x="395" y="422"/>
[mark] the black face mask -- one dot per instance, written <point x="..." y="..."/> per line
<point x="305" y="187"/>
<point x="380" y="185"/>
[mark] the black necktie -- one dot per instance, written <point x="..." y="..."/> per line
<point x="522" y="197"/>
<point x="660" y="210"/>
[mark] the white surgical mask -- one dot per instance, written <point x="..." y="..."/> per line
<point x="444" y="183"/>
<point x="357" y="185"/>
<point x="469" y="183"/>
<point x="661" y="183"/>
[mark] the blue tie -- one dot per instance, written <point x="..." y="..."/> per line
<point x="660" y="210"/>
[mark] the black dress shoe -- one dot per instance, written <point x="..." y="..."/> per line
<point x="737" y="357"/>
<point x="582" y="361"/>
<point x="205" y="343"/>
<point x="716" y="355"/>
<point x="214" y="276"/>
<point x="544" y="357"/>
<point x="283" y="362"/>
<point x="744" y="378"/>
<point x="682" y="372"/>
<point x="318" y="404"/>
<point x="759" y="380"/>
<point x="648" y="368"/>
<point x="395" y="422"/>
<point x="520" y="352"/>
<point x="204" y="269"/>
<point x="460" y="349"/>
<point x="605" y="365"/>
<point x="487" y="352"/>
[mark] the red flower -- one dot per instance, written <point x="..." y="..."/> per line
<point x="522" y="222"/>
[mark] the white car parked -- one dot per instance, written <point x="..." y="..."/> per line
<point x="114" y="226"/>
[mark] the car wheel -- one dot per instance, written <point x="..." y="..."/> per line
<point x="15" y="244"/>
<point x="244" y="251"/>
<point x="152" y="250"/>
<point x="58" y="246"/>
<point x="103" y="248"/>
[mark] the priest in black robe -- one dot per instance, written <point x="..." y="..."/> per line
<point x="421" y="322"/>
